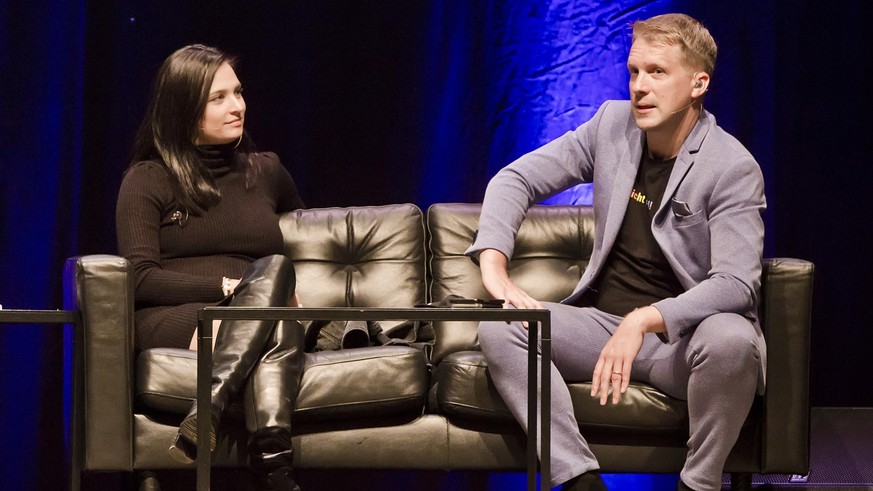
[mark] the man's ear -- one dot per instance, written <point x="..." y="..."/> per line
<point x="699" y="84"/>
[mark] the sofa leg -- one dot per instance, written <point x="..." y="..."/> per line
<point x="75" y="479"/>
<point x="148" y="481"/>
<point x="741" y="481"/>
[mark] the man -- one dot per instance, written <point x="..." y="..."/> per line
<point x="670" y="294"/>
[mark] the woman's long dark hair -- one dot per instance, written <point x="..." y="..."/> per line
<point x="169" y="128"/>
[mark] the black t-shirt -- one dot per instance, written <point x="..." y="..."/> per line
<point x="636" y="272"/>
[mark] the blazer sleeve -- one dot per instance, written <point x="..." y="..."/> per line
<point x="558" y="165"/>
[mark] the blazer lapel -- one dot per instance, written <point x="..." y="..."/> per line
<point x="685" y="159"/>
<point x="626" y="173"/>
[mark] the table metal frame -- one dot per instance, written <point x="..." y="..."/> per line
<point x="20" y="316"/>
<point x="539" y="325"/>
<point x="64" y="317"/>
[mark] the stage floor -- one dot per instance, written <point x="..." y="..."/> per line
<point x="841" y="453"/>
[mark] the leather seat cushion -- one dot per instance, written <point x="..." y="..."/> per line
<point x="370" y="382"/>
<point x="466" y="394"/>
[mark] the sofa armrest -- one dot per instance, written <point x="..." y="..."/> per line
<point x="786" y="318"/>
<point x="100" y="287"/>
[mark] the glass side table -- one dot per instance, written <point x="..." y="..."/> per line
<point x="539" y="322"/>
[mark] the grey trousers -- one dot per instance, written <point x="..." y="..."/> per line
<point x="715" y="368"/>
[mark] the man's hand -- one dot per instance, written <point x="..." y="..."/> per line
<point x="614" y="365"/>
<point x="492" y="264"/>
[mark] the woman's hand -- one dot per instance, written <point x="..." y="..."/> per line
<point x="228" y="285"/>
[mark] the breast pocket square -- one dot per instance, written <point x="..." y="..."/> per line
<point x="680" y="208"/>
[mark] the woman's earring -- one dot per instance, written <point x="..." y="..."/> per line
<point x="238" y="141"/>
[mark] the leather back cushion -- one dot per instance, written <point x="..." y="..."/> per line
<point x="552" y="250"/>
<point x="357" y="257"/>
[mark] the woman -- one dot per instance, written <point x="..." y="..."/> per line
<point x="197" y="217"/>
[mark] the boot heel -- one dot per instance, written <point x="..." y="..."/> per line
<point x="184" y="447"/>
<point x="280" y="480"/>
<point x="183" y="451"/>
<point x="188" y="431"/>
<point x="272" y="459"/>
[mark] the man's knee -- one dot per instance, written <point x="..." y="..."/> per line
<point x="727" y="337"/>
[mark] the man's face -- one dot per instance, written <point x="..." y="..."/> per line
<point x="660" y="85"/>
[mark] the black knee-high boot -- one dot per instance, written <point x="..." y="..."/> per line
<point x="269" y="282"/>
<point x="270" y="399"/>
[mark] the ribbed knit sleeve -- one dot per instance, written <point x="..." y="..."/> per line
<point x="145" y="202"/>
<point x="179" y="257"/>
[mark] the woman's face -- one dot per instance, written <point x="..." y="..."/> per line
<point x="224" y="115"/>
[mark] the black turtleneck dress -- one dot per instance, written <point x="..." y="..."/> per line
<point x="179" y="258"/>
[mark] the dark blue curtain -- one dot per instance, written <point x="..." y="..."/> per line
<point x="41" y="62"/>
<point x="506" y="77"/>
<point x="422" y="102"/>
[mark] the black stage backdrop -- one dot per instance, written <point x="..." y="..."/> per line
<point x="393" y="101"/>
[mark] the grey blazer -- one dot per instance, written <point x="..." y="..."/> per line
<point x="709" y="224"/>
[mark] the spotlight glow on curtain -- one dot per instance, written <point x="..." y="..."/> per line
<point x="511" y="76"/>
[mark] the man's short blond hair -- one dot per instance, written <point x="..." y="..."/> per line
<point x="697" y="45"/>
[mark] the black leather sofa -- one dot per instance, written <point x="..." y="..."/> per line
<point x="397" y="407"/>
